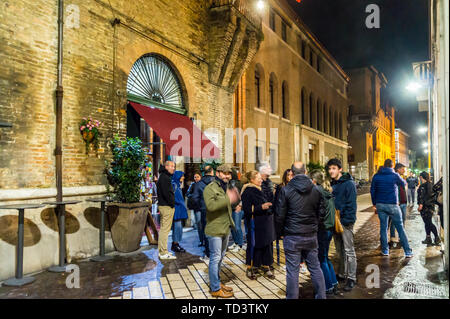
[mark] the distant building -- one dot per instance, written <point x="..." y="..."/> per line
<point x="371" y="123"/>
<point x="401" y="147"/>
<point x="293" y="84"/>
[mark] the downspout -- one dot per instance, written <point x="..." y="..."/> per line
<point x="59" y="100"/>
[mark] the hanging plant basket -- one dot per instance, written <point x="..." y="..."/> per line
<point x="90" y="131"/>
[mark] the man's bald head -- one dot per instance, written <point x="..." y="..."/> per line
<point x="298" y="168"/>
<point x="170" y="166"/>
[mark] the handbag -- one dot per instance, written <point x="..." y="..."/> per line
<point x="338" y="226"/>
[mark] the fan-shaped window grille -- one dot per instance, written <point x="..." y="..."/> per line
<point x="153" y="81"/>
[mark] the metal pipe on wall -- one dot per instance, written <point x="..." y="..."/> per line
<point x="59" y="106"/>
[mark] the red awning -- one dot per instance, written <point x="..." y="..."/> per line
<point x="180" y="134"/>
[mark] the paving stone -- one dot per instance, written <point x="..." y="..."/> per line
<point x="141" y="293"/>
<point x="177" y="284"/>
<point x="126" y="295"/>
<point x="155" y="289"/>
<point x="181" y="292"/>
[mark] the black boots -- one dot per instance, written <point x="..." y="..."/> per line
<point x="349" y="285"/>
<point x="428" y="241"/>
<point x="177" y="248"/>
<point x="437" y="241"/>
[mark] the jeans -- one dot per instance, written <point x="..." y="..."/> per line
<point x="384" y="212"/>
<point x="324" y="239"/>
<point x="294" y="248"/>
<point x="205" y="238"/>
<point x="392" y="227"/>
<point x="411" y="195"/>
<point x="217" y="247"/>
<point x="346" y="250"/>
<point x="429" y="226"/>
<point x="177" y="231"/>
<point x="198" y="225"/>
<point x="238" y="236"/>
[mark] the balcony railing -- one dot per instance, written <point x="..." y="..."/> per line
<point x="422" y="71"/>
<point x="245" y="7"/>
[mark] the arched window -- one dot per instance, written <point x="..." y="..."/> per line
<point x="259" y="86"/>
<point x="273" y="93"/>
<point x="303" y="106"/>
<point x="325" y="118"/>
<point x="341" y="132"/>
<point x="319" y="115"/>
<point x="304" y="50"/>
<point x="336" y="124"/>
<point x="152" y="79"/>
<point x="285" y="100"/>
<point x="330" y="118"/>
<point x="311" y="109"/>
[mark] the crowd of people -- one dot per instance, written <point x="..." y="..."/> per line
<point x="305" y="211"/>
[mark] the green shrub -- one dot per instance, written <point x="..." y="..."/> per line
<point x="124" y="173"/>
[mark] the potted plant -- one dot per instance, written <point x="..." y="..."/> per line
<point x="90" y="131"/>
<point x="127" y="214"/>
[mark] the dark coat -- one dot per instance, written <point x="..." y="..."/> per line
<point x="165" y="191"/>
<point x="264" y="229"/>
<point x="412" y="182"/>
<point x="425" y="198"/>
<point x="328" y="209"/>
<point x="299" y="208"/>
<point x="267" y="189"/>
<point x="344" y="192"/>
<point x="384" y="187"/>
<point x="197" y="194"/>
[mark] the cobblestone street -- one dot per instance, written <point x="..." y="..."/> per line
<point x="141" y="275"/>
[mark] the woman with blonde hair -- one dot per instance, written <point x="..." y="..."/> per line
<point x="258" y="217"/>
<point x="326" y="227"/>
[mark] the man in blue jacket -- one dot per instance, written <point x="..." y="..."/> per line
<point x="344" y="191"/>
<point x="384" y="192"/>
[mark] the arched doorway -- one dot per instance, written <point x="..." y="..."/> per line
<point x="153" y="81"/>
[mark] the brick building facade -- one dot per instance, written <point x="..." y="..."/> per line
<point x="207" y="44"/>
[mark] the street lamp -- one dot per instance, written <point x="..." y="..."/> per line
<point x="423" y="129"/>
<point x="260" y="5"/>
<point x="413" y="86"/>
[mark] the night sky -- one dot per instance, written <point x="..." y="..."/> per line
<point x="401" y="39"/>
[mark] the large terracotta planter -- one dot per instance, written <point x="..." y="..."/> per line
<point x="127" y="222"/>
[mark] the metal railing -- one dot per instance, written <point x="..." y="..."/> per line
<point x="245" y="7"/>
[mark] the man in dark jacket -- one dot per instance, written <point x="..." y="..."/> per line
<point x="298" y="220"/>
<point x="344" y="191"/>
<point x="166" y="205"/>
<point x="199" y="202"/>
<point x="384" y="192"/>
<point x="412" y="182"/>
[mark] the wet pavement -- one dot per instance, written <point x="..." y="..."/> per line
<point x="140" y="275"/>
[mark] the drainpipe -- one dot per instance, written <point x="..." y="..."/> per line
<point x="59" y="100"/>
